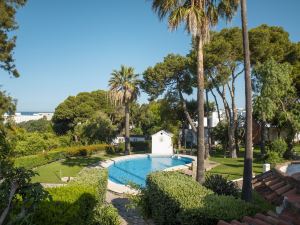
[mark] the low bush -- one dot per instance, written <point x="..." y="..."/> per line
<point x="115" y="149"/>
<point x="221" y="185"/>
<point x="173" y="198"/>
<point x="273" y="158"/>
<point x="276" y="150"/>
<point x="105" y="215"/>
<point x="32" y="161"/>
<point x="279" y="146"/>
<point x="77" y="202"/>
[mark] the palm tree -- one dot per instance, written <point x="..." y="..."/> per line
<point x="123" y="90"/>
<point x="247" y="176"/>
<point x="198" y="16"/>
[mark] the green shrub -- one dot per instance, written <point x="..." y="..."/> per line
<point x="115" y="149"/>
<point x="32" y="161"/>
<point x="29" y="143"/>
<point x="77" y="202"/>
<point x="140" y="146"/>
<point x="279" y="146"/>
<point x="105" y="215"/>
<point x="174" y="198"/>
<point x="221" y="185"/>
<point x="273" y="158"/>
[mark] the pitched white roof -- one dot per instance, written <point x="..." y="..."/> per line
<point x="164" y="132"/>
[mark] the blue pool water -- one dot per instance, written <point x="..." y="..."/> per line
<point x="136" y="170"/>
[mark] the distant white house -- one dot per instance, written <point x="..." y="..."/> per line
<point x="162" y="143"/>
<point x="20" y="117"/>
<point x="133" y="138"/>
<point x="190" y="137"/>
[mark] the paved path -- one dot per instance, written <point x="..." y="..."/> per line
<point x="127" y="216"/>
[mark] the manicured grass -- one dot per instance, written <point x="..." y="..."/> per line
<point x="52" y="172"/>
<point x="233" y="168"/>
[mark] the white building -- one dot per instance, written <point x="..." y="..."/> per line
<point x="133" y="138"/>
<point x="190" y="137"/>
<point x="162" y="143"/>
<point x="19" y="117"/>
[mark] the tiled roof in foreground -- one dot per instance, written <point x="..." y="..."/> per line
<point x="280" y="190"/>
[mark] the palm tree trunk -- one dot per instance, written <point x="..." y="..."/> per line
<point x="247" y="176"/>
<point x="127" y="138"/>
<point x="200" y="97"/>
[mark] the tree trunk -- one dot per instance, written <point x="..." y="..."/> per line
<point x="186" y="112"/>
<point x="235" y="117"/>
<point x="231" y="141"/>
<point x="247" y="176"/>
<point x="200" y="97"/>
<point x="13" y="188"/>
<point x="208" y="126"/>
<point x="263" y="133"/>
<point x="230" y="132"/>
<point x="217" y="104"/>
<point x="127" y="137"/>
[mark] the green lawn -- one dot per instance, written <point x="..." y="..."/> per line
<point x="233" y="168"/>
<point x="52" y="172"/>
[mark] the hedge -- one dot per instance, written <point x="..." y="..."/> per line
<point x="173" y="198"/>
<point x="32" y="161"/>
<point x="140" y="146"/>
<point x="78" y="203"/>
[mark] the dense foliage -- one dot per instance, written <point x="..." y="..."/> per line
<point x="78" y="109"/>
<point x="8" y="24"/>
<point x="16" y="188"/>
<point x="173" y="198"/>
<point x="29" y="143"/>
<point x="41" y="125"/>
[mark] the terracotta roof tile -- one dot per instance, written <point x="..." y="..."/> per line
<point x="221" y="222"/>
<point x="284" y="189"/>
<point x="275" y="187"/>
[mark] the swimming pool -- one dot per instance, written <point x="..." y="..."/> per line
<point x="135" y="170"/>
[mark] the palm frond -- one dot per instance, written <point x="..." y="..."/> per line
<point x="124" y="85"/>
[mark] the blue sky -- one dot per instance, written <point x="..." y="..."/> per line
<point x="65" y="47"/>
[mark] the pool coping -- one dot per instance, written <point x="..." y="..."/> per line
<point x="126" y="189"/>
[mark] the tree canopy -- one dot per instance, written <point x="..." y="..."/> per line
<point x="77" y="109"/>
<point x="8" y="24"/>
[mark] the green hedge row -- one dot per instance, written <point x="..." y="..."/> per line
<point x="32" y="161"/>
<point x="173" y="198"/>
<point x="140" y="146"/>
<point x="80" y="202"/>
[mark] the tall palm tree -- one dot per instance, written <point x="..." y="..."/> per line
<point x="123" y="90"/>
<point x="198" y="16"/>
<point x="248" y="158"/>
